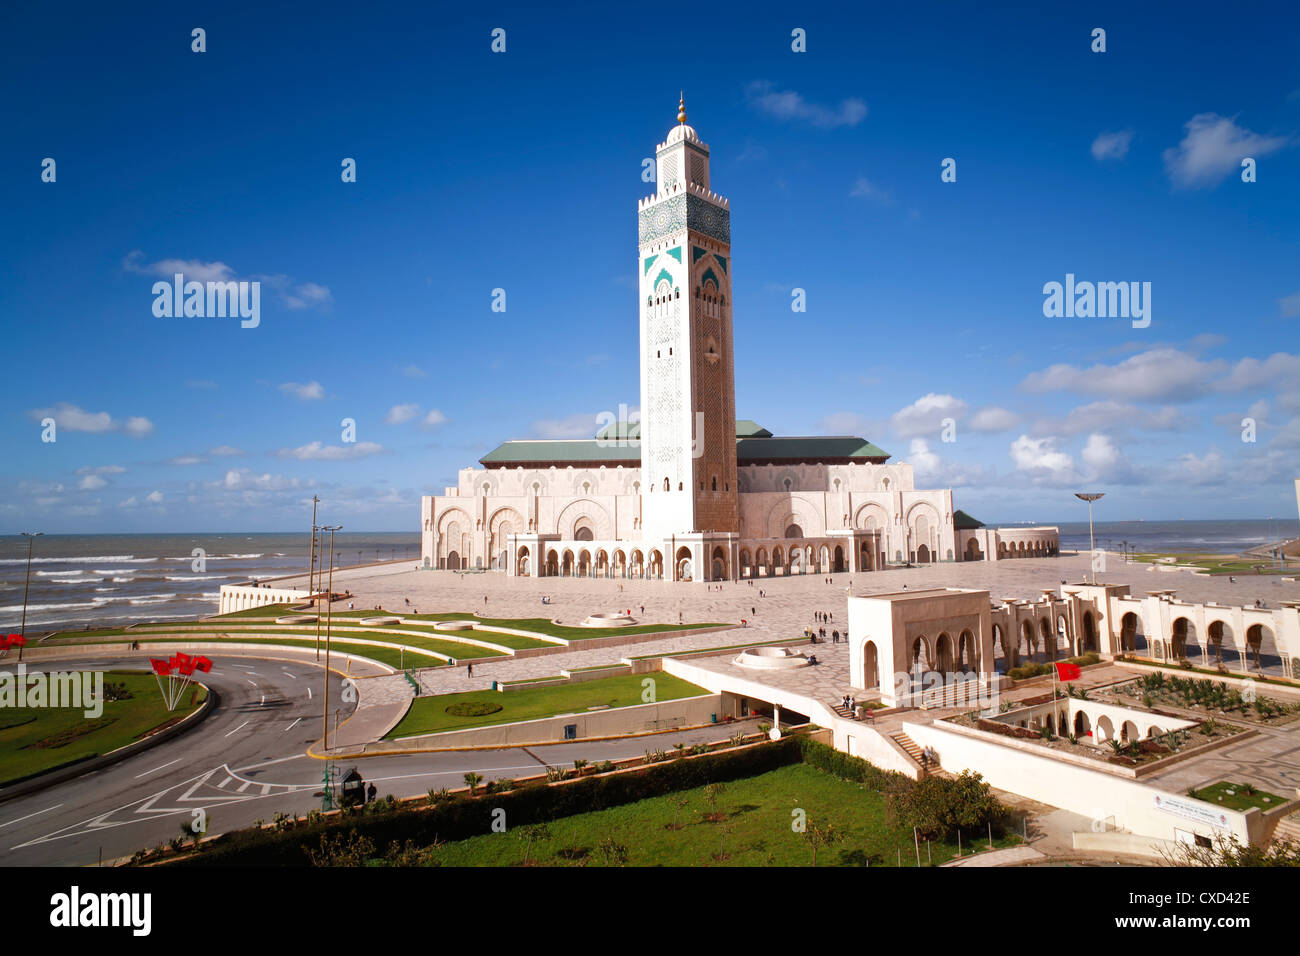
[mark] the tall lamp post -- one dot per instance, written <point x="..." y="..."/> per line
<point x="1092" y="547"/>
<point x="311" y="564"/>
<point x="31" y="537"/>
<point x="329" y="610"/>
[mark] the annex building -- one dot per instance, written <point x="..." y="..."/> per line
<point x="690" y="493"/>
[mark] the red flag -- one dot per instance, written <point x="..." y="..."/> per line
<point x="202" y="664"/>
<point x="183" y="663"/>
<point x="5" y="640"/>
<point x="17" y="640"/>
<point x="161" y="668"/>
<point x="1067" y="671"/>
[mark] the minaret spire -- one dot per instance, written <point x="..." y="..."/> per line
<point x="681" y="109"/>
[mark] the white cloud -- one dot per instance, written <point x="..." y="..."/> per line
<point x="75" y="419"/>
<point x="101" y="470"/>
<point x="1041" y="459"/>
<point x="575" y="426"/>
<point x="193" y="269"/>
<point x="154" y="497"/>
<point x="1101" y="455"/>
<point x="789" y="105"/>
<point x="226" y="451"/>
<point x="1110" y="414"/>
<point x="309" y="391"/>
<point x="434" y="419"/>
<point x="306" y="295"/>
<point x="1112" y="145"/>
<point x="1290" y="305"/>
<point x="924" y="461"/>
<point x="863" y="188"/>
<point x="1213" y="149"/>
<point x="138" y="426"/>
<point x="993" y="419"/>
<point x="92" y="483"/>
<point x="316" y="451"/>
<point x="401" y="413"/>
<point x="129" y="503"/>
<point x="925" y="415"/>
<point x="1157" y="374"/>
<point x="186" y="460"/>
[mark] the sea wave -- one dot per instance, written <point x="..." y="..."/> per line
<point x="95" y="559"/>
<point x="196" y="577"/>
<point x="16" y="608"/>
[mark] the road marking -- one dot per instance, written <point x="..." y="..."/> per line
<point x="262" y="701"/>
<point x="292" y="725"/>
<point x="156" y="769"/>
<point x="244" y="786"/>
<point x="220" y="786"/>
<point x="309" y="693"/>
<point x="266" y="788"/>
<point x="253" y="682"/>
<point x="30" y="815"/>
<point x="239" y="728"/>
<point x="294" y="676"/>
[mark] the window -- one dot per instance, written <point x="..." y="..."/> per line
<point x="715" y="482"/>
<point x="666" y="488"/>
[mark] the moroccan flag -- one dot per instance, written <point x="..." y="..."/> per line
<point x="1067" y="671"/>
<point x="161" y="668"/>
<point x="17" y="640"/>
<point x="202" y="664"/>
<point x="183" y="663"/>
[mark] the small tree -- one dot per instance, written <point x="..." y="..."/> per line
<point x="819" y="835"/>
<point x="712" y="793"/>
<point x="534" y="831"/>
<point x="472" y="780"/>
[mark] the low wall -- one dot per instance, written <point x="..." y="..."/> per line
<point x="617" y="722"/>
<point x="1093" y="793"/>
<point x="241" y="597"/>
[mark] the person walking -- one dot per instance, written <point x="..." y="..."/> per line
<point x="469" y="670"/>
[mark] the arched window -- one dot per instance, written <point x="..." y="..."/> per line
<point x="666" y="488"/>
<point x="715" y="482"/>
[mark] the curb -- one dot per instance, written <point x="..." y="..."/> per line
<point x="51" y="778"/>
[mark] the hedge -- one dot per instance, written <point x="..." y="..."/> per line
<point x="460" y="817"/>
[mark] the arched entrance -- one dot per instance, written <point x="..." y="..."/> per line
<point x="943" y="654"/>
<point x="923" y="554"/>
<point x="870" y="665"/>
<point x="1255" y="635"/>
<point x="719" y="564"/>
<point x="1089" y="633"/>
<point x="453" y="561"/>
<point x="1181" y="633"/>
<point x="521" y="564"/>
<point x="683" y="564"/>
<point x="1128" y="629"/>
<point x="838" y="560"/>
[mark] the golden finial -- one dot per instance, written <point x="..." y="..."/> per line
<point x="681" y="109"/>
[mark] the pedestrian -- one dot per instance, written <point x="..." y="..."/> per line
<point x="753" y="612"/>
<point x="643" y="610"/>
<point x="469" y="670"/>
<point x="371" y="793"/>
<point x="485" y="600"/>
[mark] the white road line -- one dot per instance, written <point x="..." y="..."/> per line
<point x="244" y="786"/>
<point x="292" y="725"/>
<point x="262" y="701"/>
<point x="266" y="788"/>
<point x="239" y="728"/>
<point x="294" y="676"/>
<point x="156" y="769"/>
<point x="309" y="693"/>
<point x="30" y="815"/>
<point x="222" y="784"/>
<point x="253" y="682"/>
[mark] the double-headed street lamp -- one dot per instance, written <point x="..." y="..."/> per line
<point x="1092" y="546"/>
<point x="31" y="537"/>
<point x="329" y="620"/>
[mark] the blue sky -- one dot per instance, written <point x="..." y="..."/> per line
<point x="521" y="170"/>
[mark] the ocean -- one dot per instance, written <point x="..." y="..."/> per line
<point x="108" y="579"/>
<point x="100" y="579"/>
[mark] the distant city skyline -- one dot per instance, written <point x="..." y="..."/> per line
<point x="378" y="366"/>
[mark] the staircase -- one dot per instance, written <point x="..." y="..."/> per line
<point x="1288" y="828"/>
<point x="910" y="747"/>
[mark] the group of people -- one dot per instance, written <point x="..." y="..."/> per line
<point x="823" y="616"/>
<point x="850" y="703"/>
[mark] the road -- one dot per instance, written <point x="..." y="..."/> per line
<point x="244" y="763"/>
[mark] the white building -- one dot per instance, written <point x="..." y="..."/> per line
<point x="689" y="492"/>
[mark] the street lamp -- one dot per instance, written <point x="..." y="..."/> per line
<point x="329" y="620"/>
<point x="31" y="537"/>
<point x="1090" y="498"/>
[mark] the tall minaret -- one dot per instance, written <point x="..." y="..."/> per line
<point x="688" y="392"/>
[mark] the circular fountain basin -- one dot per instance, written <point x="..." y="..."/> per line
<point x="380" y="620"/>
<point x="296" y="619"/>
<point x="607" y="619"/>
<point x="454" y="626"/>
<point x="771" y="658"/>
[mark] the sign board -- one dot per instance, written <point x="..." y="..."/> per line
<point x="1193" y="810"/>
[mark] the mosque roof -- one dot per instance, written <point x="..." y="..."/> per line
<point x="964" y="522"/>
<point x="618" y="444"/>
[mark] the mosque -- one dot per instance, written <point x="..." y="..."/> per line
<point x="689" y="493"/>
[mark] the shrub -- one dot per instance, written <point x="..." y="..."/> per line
<point x="937" y="806"/>
<point x="472" y="709"/>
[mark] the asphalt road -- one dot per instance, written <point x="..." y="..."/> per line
<point x="243" y="763"/>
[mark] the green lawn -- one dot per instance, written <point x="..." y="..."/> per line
<point x="1218" y="564"/>
<point x="543" y="625"/>
<point x="68" y="735"/>
<point x="756" y="811"/>
<point x="1219" y="795"/>
<point x="429" y="714"/>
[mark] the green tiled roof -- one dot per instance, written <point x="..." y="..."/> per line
<point x="964" y="522"/>
<point x="754" y="445"/>
<point x="809" y="448"/>
<point x="578" y="451"/>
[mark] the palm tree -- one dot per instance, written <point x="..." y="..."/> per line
<point x="472" y="780"/>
